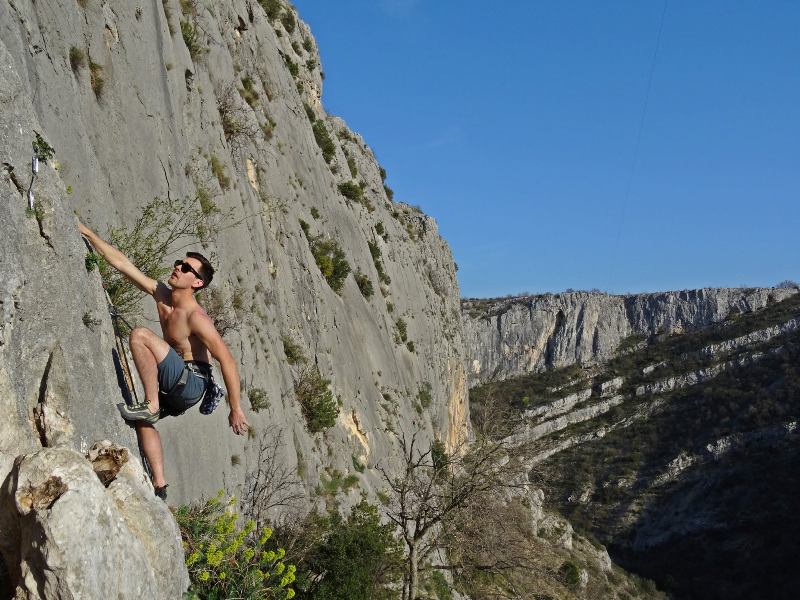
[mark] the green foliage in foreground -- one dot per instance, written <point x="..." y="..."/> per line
<point x="225" y="561"/>
<point x="356" y="559"/>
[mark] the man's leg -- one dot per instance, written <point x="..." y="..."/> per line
<point x="148" y="350"/>
<point x="150" y="441"/>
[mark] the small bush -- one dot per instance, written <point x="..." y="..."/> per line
<point x="218" y="169"/>
<point x="308" y="44"/>
<point x="272" y="8"/>
<point x="294" y="354"/>
<point x="226" y="561"/>
<point x="402" y="330"/>
<point x="192" y="39"/>
<point x="351" y="190"/>
<point x="383" y="174"/>
<point x="96" y="78"/>
<point x="424" y="395"/>
<point x="77" y="58"/>
<point x="292" y="66"/>
<point x="288" y="20"/>
<point x="41" y="149"/>
<point x="331" y="260"/>
<point x="318" y="405"/>
<point x="570" y="573"/>
<point x="375" y="251"/>
<point x="351" y="164"/>
<point x="324" y="140"/>
<point x="389" y="192"/>
<point x="357" y="558"/>
<point x="314" y="212"/>
<point x="357" y="465"/>
<point x="92" y="261"/>
<point x="411" y="347"/>
<point x="364" y="284"/>
<point x="258" y="399"/>
<point x="309" y="113"/>
<point x="248" y="91"/>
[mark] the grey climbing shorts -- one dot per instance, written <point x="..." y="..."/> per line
<point x="181" y="384"/>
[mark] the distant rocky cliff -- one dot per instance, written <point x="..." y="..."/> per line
<point x="527" y="334"/>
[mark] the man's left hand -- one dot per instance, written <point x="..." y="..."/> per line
<point x="238" y="422"/>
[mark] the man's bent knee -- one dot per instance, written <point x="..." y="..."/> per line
<point x="140" y="334"/>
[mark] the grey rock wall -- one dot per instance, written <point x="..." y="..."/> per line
<point x="152" y="131"/>
<point x="515" y="336"/>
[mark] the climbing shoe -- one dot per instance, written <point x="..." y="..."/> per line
<point x="161" y="492"/>
<point x="137" y="412"/>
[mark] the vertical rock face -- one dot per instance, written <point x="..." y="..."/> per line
<point x="218" y="102"/>
<point x="516" y="336"/>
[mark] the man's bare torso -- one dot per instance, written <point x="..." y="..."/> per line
<point x="177" y="331"/>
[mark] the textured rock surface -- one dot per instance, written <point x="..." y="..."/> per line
<point x="71" y="537"/>
<point x="152" y="131"/>
<point x="516" y="336"/>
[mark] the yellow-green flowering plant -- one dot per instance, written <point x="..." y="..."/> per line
<point x="226" y="561"/>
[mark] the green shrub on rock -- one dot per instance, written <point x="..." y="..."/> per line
<point x="317" y="402"/>
<point x="324" y="140"/>
<point x="226" y="561"/>
<point x="331" y="260"/>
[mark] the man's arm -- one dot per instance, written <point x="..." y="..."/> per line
<point x="119" y="261"/>
<point x="203" y="327"/>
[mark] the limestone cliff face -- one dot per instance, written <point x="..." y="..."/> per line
<point x="515" y="336"/>
<point x="133" y="114"/>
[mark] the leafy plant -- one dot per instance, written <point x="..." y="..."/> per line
<point x="248" y="91"/>
<point x="191" y="38"/>
<point x="272" y="8"/>
<point x="357" y="558"/>
<point x="351" y="190"/>
<point x="375" y="252"/>
<point x="41" y="148"/>
<point x="96" y="78"/>
<point x="364" y="284"/>
<point x="294" y="354"/>
<point x="292" y="66"/>
<point x="402" y="330"/>
<point x="331" y="260"/>
<point x="258" y="399"/>
<point x="318" y="405"/>
<point x="226" y="561"/>
<point x="77" y="58"/>
<point x="288" y="20"/>
<point x="218" y="169"/>
<point x="324" y="140"/>
<point x="424" y="395"/>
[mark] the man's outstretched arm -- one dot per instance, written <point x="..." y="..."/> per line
<point x="203" y="327"/>
<point x="119" y="261"/>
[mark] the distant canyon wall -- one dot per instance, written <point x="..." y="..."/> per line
<point x="515" y="336"/>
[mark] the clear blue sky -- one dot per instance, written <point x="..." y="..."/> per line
<point x="515" y="125"/>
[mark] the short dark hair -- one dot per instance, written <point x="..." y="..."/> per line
<point x="206" y="270"/>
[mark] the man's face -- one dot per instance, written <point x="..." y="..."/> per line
<point x="189" y="279"/>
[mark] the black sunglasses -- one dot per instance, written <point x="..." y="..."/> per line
<point x="187" y="268"/>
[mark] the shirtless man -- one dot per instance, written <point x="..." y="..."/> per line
<point x="175" y="371"/>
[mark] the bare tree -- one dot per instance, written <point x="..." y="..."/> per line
<point x="271" y="485"/>
<point x="432" y="486"/>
